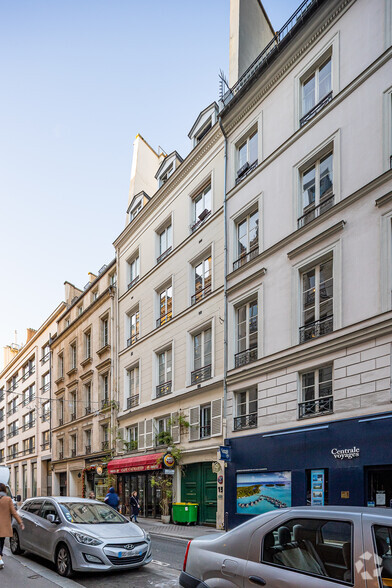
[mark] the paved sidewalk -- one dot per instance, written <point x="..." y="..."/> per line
<point x="156" y="527"/>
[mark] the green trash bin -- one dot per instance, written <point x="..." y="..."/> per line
<point x="185" y="512"/>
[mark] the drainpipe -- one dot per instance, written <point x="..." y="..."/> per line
<point x="113" y="332"/>
<point x="225" y="326"/>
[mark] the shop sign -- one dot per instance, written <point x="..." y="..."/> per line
<point x="345" y="453"/>
<point x="99" y="470"/>
<point x="168" y="460"/>
<point x="317" y="487"/>
<point x="225" y="453"/>
<point x="169" y="472"/>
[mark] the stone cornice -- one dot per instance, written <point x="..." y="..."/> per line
<point x="336" y="228"/>
<point x="384" y="199"/>
<point x="245" y="281"/>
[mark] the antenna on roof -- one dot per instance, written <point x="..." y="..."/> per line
<point x="223" y="85"/>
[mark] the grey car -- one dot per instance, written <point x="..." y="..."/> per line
<point x="306" y="547"/>
<point x="80" y="535"/>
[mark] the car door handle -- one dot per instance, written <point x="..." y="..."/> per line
<point x="257" y="580"/>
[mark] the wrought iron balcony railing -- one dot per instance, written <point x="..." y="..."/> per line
<point x="28" y="425"/>
<point x="133" y="401"/>
<point x="61" y="422"/>
<point x="245" y="357"/>
<point x="132" y="340"/>
<point x="245" y="421"/>
<point x="12" y="433"/>
<point x="163" y="389"/>
<point x="12" y="410"/>
<point x="133" y="282"/>
<point x="202" y="217"/>
<point x="2" y="397"/>
<point x="45" y="358"/>
<point x="246" y="258"/>
<point x="88" y="449"/>
<point x="45" y="416"/>
<point x="61" y="455"/>
<point x="45" y="387"/>
<point x="87" y="409"/>
<point x="105" y="403"/>
<point x="162" y="256"/>
<point x="28" y="374"/>
<point x="28" y="450"/>
<point x="316" y="329"/>
<point x="164" y="318"/>
<point x="316" y="109"/>
<point x="316" y="407"/>
<point x="202" y="374"/>
<point x="205" y="431"/>
<point x="315" y="211"/>
<point x="73" y="416"/>
<point x="27" y="400"/>
<point x="200" y="294"/>
<point x="45" y="445"/>
<point x="73" y="452"/>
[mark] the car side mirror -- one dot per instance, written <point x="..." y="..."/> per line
<point x="18" y="498"/>
<point x="52" y="518"/>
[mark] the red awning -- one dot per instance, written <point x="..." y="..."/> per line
<point x="139" y="463"/>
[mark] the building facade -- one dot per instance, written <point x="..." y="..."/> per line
<point x="83" y="383"/>
<point x="309" y="204"/>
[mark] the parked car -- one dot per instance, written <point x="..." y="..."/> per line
<point x="307" y="547"/>
<point x="80" y="535"/>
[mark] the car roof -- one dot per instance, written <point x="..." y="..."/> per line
<point x="61" y="499"/>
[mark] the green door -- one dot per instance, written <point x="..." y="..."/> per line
<point x="199" y="485"/>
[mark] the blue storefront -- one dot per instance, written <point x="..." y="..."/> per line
<point x="344" y="462"/>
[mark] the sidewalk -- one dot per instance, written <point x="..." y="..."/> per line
<point x="156" y="527"/>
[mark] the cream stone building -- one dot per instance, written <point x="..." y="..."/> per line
<point x="309" y="209"/>
<point x="170" y="322"/>
<point x="83" y="365"/>
<point x="26" y="411"/>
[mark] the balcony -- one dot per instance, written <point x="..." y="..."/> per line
<point x="73" y="416"/>
<point x="13" y="433"/>
<point x="29" y="450"/>
<point x="245" y="357"/>
<point x="61" y="455"/>
<point x="164" y="318"/>
<point x="316" y="329"/>
<point x="45" y="358"/>
<point x="133" y="282"/>
<point x="87" y="409"/>
<point x="246" y="258"/>
<point x="45" y="387"/>
<point x="245" y="171"/>
<point x="105" y="445"/>
<point x="28" y="374"/>
<point x="200" y="294"/>
<point x="27" y="400"/>
<point x="105" y="403"/>
<point x="163" y="255"/>
<point x="87" y="449"/>
<point x="132" y="401"/>
<point x="73" y="452"/>
<point x="61" y="422"/>
<point x="163" y="389"/>
<point x="45" y="417"/>
<point x="316" y="211"/>
<point x="2" y="437"/>
<point x="201" y="218"/>
<point x="316" y="407"/>
<point x="205" y="431"/>
<point x="200" y="375"/>
<point x="12" y="410"/>
<point x="315" y="110"/>
<point x="246" y="421"/>
<point x="28" y="425"/>
<point x="45" y="445"/>
<point x="132" y="340"/>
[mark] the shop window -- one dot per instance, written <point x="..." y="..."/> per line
<point x="316" y="393"/>
<point x="318" y="547"/>
<point x="317" y="301"/>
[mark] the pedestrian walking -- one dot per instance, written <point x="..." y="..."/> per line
<point x="112" y="498"/>
<point x="135" y="506"/>
<point x="7" y="511"/>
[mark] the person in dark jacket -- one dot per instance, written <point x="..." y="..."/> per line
<point x="135" y="506"/>
<point x="112" y="498"/>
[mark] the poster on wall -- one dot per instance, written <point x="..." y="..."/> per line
<point x="317" y="487"/>
<point x="262" y="492"/>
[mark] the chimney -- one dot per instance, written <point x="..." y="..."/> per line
<point x="30" y="334"/>
<point x="9" y="353"/>
<point x="91" y="277"/>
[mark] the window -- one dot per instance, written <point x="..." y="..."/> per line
<point x="61" y="365"/>
<point x="246" y="409"/>
<point x="28" y="395"/>
<point x="105" y="331"/>
<point x="28" y="420"/>
<point x="45" y="416"/>
<point x="202" y="284"/>
<point x="29" y="445"/>
<point x="134" y="271"/>
<point x="317" y="301"/>
<point x="113" y="279"/>
<point x="316" y="392"/>
<point x="205" y="421"/>
<point x="105" y="437"/>
<point x="87" y="435"/>
<point x="163" y="431"/>
<point x="247" y="154"/>
<point x="166" y="175"/>
<point x="383" y="542"/>
<point x="24" y="483"/>
<point x="13" y="451"/>
<point x="1" y="415"/>
<point x="87" y="345"/>
<point x="45" y="382"/>
<point x="34" y="479"/>
<point x="246" y="333"/>
<point x="105" y="390"/>
<point x="1" y="393"/>
<point x="165" y="306"/>
<point x="28" y="369"/>
<point x="45" y="353"/>
<point x="72" y="440"/>
<point x="132" y="438"/>
<point x="1" y="455"/>
<point x="202" y="356"/>
<point x="13" y="429"/>
<point x="94" y="295"/>
<point x="317" y="547"/>
<point x="133" y="320"/>
<point x="61" y="448"/>
<point x="61" y="411"/>
<point x="87" y="398"/>
<point x="135" y="210"/>
<point x="80" y="310"/>
<point x="316" y="90"/>
<point x="164" y="373"/>
<point x="73" y="356"/>
<point x="72" y="405"/>
<point x="133" y="387"/>
<point x="203" y="131"/>
<point x="2" y="436"/>
<point x="247" y="234"/>
<point x="45" y="440"/>
<point x="317" y="189"/>
<point x="165" y="243"/>
<point x="12" y="407"/>
<point x="201" y="207"/>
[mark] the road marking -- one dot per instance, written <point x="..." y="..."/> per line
<point x="160" y="563"/>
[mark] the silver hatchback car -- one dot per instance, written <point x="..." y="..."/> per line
<point x="80" y="535"/>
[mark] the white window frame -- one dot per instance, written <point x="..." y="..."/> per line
<point x="87" y="344"/>
<point x="163" y="319"/>
<point x="73" y="355"/>
<point x="206" y="288"/>
<point x="317" y="290"/>
<point x="248" y="209"/>
<point x="246" y="303"/>
<point x="132" y="317"/>
<point x="233" y="305"/>
<point x="157" y="354"/>
<point x="198" y="220"/>
<point x="135" y="367"/>
<point x="88" y="394"/>
<point x="244" y="141"/>
<point x="104" y="327"/>
<point x="301" y="396"/>
<point x="249" y="252"/>
<point x="202" y="333"/>
<point x="133" y="436"/>
<point x="133" y="270"/>
<point x="387" y="126"/>
<point x="166" y="230"/>
<point x="386" y="262"/>
<point x="105" y="387"/>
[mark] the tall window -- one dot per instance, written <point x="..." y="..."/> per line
<point x="246" y="333"/>
<point x="202" y="356"/>
<point x="105" y="390"/>
<point x="133" y="387"/>
<point x="205" y="421"/>
<point x="45" y="382"/>
<point x="24" y="481"/>
<point x="317" y="301"/>
<point x="316" y="392"/>
<point x="73" y="358"/>
<point x="33" y="479"/>
<point x="87" y="435"/>
<point x="247" y="239"/>
<point x="105" y="437"/>
<point x="164" y="373"/>
<point x="61" y="448"/>
<point x="87" y="398"/>
<point x="45" y="440"/>
<point x="246" y="409"/>
<point x="132" y="438"/>
<point x="105" y="331"/>
<point x="61" y="365"/>
<point x="87" y="344"/>
<point x="163" y="431"/>
<point x="317" y="189"/>
<point x="247" y="156"/>
<point x="133" y="328"/>
<point x="45" y="415"/>
<point x="165" y="306"/>
<point x="73" y="446"/>
<point x="201" y="207"/>
<point x="134" y="271"/>
<point x="45" y="353"/>
<point x="73" y="405"/>
<point x="61" y="411"/>
<point x="165" y="239"/>
<point x="203" y="272"/>
<point x="316" y="89"/>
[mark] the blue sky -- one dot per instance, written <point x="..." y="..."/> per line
<point x="80" y="78"/>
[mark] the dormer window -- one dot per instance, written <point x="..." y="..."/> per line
<point x="164" y="177"/>
<point x="204" y="122"/>
<point x="137" y="204"/>
<point x="202" y="133"/>
<point x="168" y="167"/>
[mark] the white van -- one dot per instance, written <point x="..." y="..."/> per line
<point x="4" y="479"/>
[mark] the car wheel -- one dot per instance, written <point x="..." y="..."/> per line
<point x="63" y="562"/>
<point x="15" y="544"/>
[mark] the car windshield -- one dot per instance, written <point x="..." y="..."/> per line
<point x="86" y="513"/>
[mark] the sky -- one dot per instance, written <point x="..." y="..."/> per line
<point x="80" y="79"/>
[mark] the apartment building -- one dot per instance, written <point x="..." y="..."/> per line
<point x="170" y="322"/>
<point x="309" y="209"/>
<point x="25" y="411"/>
<point x="83" y="383"/>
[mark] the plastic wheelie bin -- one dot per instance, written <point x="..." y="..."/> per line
<point x="185" y="512"/>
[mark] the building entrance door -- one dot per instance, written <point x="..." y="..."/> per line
<point x="379" y="485"/>
<point x="199" y="485"/>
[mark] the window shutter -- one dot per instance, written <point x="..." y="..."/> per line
<point x="194" y="422"/>
<point x="120" y="440"/>
<point x="149" y="434"/>
<point x="142" y="436"/>
<point x="175" y="428"/>
<point x="216" y="417"/>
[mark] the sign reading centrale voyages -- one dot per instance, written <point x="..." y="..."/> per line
<point x="345" y="453"/>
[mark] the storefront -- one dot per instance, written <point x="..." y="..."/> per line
<point x="95" y="479"/>
<point x="135" y="473"/>
<point x="346" y="462"/>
